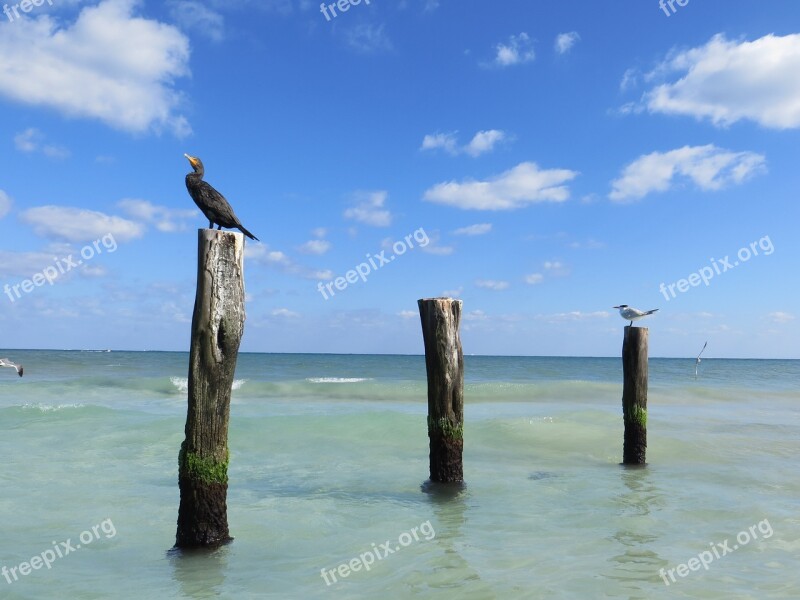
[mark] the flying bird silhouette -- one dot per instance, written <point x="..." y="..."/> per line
<point x="213" y="204"/>
<point x="697" y="360"/>
<point x="4" y="362"/>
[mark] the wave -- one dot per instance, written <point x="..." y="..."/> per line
<point x="338" y="379"/>
<point x="182" y="384"/>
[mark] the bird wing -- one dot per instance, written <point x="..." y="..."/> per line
<point x="218" y="206"/>
<point x="703" y="350"/>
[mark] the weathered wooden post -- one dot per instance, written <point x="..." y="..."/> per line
<point x="444" y="362"/>
<point x="634" y="395"/>
<point x="217" y="327"/>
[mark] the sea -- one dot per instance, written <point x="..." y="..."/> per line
<point x="328" y="494"/>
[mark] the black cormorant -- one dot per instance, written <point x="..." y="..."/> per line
<point x="213" y="204"/>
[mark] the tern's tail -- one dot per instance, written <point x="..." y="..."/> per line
<point x="650" y="312"/>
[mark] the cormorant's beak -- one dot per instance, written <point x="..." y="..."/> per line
<point x="192" y="160"/>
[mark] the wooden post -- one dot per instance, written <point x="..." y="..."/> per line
<point x="634" y="395"/>
<point x="217" y="327"/>
<point x="444" y="362"/>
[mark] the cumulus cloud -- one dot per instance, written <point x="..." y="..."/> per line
<point x="727" y="81"/>
<point x="369" y="209"/>
<point x="318" y="247"/>
<point x="708" y="167"/>
<point x="516" y="188"/>
<point x="164" y="219"/>
<point x="518" y="50"/>
<point x="481" y="143"/>
<point x="261" y="254"/>
<point x="534" y="278"/>
<point x="565" y="41"/>
<point x="79" y="225"/>
<point x="108" y="65"/>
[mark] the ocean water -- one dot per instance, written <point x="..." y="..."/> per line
<point x="329" y="457"/>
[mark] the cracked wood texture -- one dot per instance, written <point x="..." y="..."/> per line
<point x="634" y="395"/>
<point x="217" y="327"/>
<point x="444" y="362"/>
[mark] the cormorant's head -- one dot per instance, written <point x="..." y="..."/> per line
<point x="196" y="163"/>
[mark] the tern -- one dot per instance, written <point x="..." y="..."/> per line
<point x="633" y="314"/>
<point x="4" y="362"/>
<point x="697" y="360"/>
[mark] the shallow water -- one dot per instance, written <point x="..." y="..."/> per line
<point x="329" y="456"/>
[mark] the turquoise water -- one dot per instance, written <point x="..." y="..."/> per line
<point x="329" y="456"/>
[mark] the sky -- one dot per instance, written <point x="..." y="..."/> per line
<point x="542" y="161"/>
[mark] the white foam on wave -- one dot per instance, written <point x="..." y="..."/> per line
<point x="49" y="407"/>
<point x="338" y="379"/>
<point x="182" y="383"/>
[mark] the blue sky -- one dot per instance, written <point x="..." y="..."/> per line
<point x="545" y="161"/>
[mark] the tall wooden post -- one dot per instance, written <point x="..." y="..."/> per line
<point x="444" y="362"/>
<point x="634" y="395"/>
<point x="217" y="327"/>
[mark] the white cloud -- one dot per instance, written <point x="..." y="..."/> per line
<point x="453" y="293"/>
<point x="261" y="254"/>
<point x="318" y="247"/>
<point x="285" y="313"/>
<point x="79" y="225"/>
<point x="370" y="209"/>
<point x="165" y="219"/>
<point x="727" y="81"/>
<point x="534" y="278"/>
<point x="518" y="50"/>
<point x="478" y="229"/>
<point x="709" y="167"/>
<point x="197" y="17"/>
<point x="408" y="314"/>
<point x="523" y="185"/>
<point x="565" y="41"/>
<point x="781" y="317"/>
<point x="319" y="232"/>
<point x="491" y="284"/>
<point x="108" y="65"/>
<point x="446" y="141"/>
<point x="5" y="204"/>
<point x="484" y="141"/>
<point x="481" y="143"/>
<point x="32" y="140"/>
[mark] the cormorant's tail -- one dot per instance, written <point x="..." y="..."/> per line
<point x="247" y="233"/>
